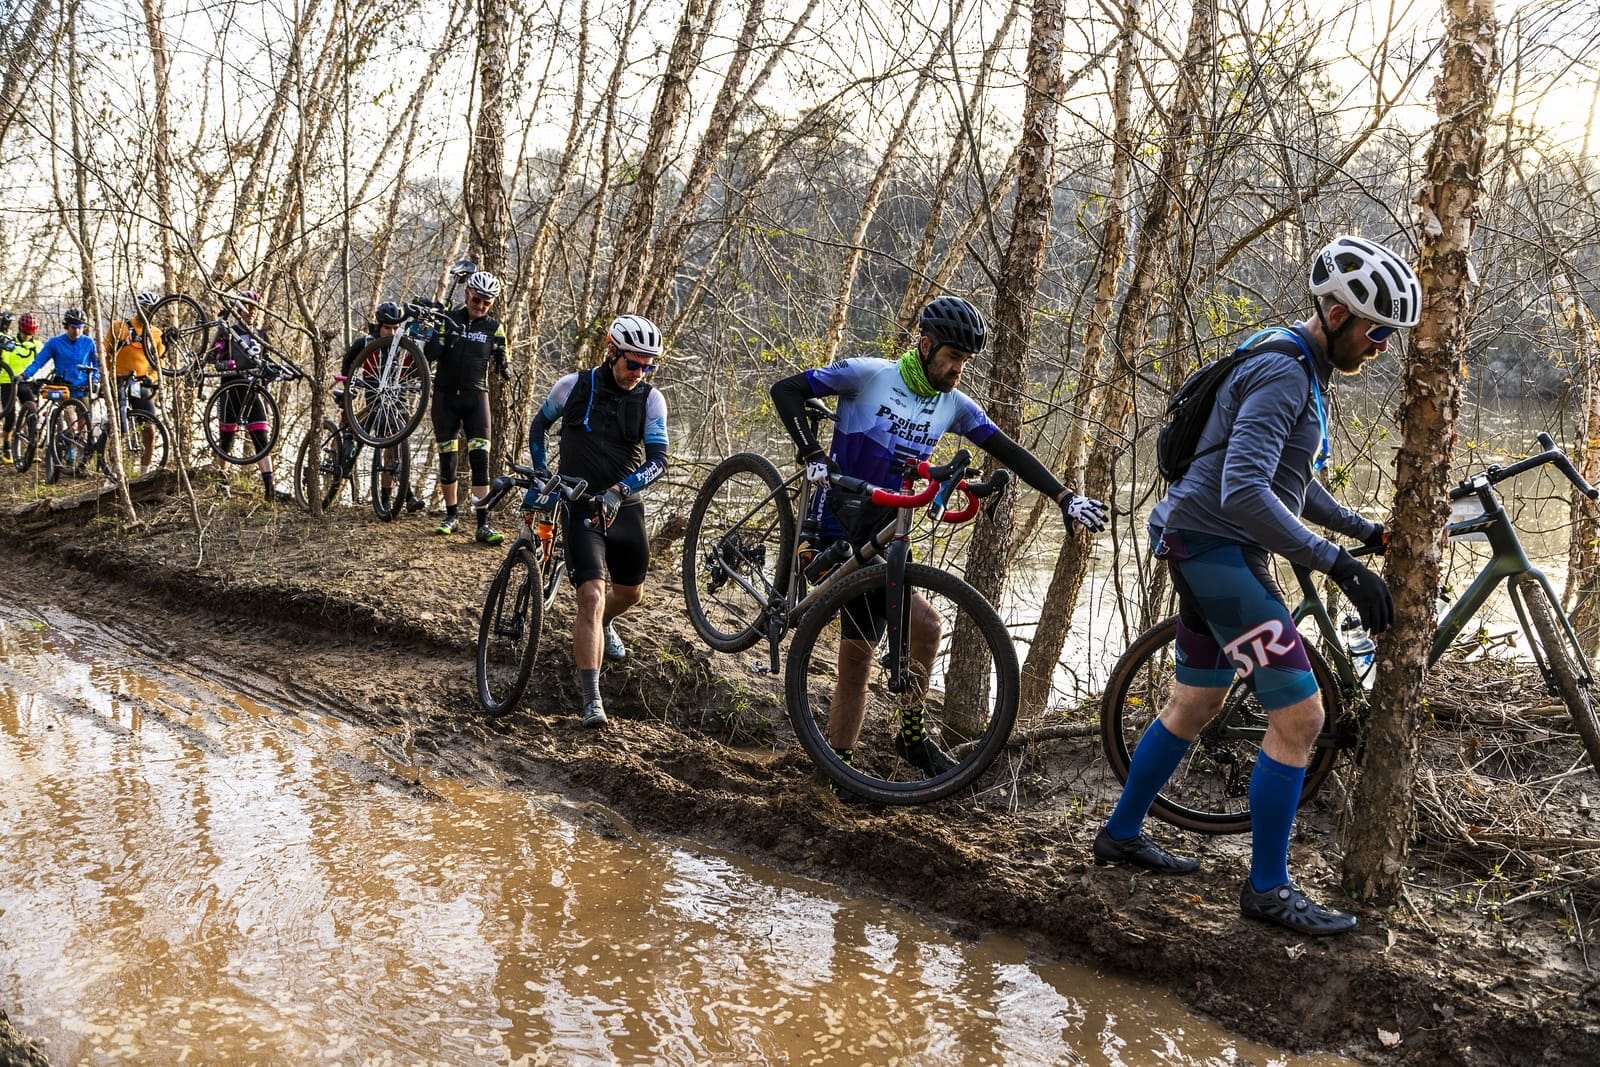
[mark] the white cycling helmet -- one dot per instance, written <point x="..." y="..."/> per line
<point x="147" y="300"/>
<point x="634" y="333"/>
<point x="481" y="281"/>
<point x="1368" y="279"/>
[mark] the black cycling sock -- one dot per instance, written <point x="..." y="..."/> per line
<point x="483" y="516"/>
<point x="266" y="482"/>
<point x="452" y="511"/>
<point x="589" y="682"/>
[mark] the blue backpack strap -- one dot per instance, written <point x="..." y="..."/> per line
<point x="1326" y="450"/>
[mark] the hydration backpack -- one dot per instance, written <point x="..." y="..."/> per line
<point x="1191" y="403"/>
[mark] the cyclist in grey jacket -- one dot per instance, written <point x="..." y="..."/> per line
<point x="1243" y="499"/>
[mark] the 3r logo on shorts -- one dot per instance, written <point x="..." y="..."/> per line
<point x="1252" y="648"/>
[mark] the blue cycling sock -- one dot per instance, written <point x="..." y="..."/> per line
<point x="1274" y="798"/>
<point x="1154" y="759"/>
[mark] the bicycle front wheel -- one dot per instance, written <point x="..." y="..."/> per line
<point x="941" y="732"/>
<point x="1210" y="791"/>
<point x="736" y="551"/>
<point x="230" y="414"/>
<point x="387" y="394"/>
<point x="185" y="330"/>
<point x="1568" y="671"/>
<point x="67" y="441"/>
<point x="388" y="479"/>
<point x="144" y="446"/>
<point x="320" y="452"/>
<point x="508" y="632"/>
<point x="25" y="442"/>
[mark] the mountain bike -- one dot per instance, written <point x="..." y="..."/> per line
<point x="337" y="453"/>
<point x="751" y="573"/>
<point x="68" y="432"/>
<point x="513" y="609"/>
<point x="1209" y="792"/>
<point x="243" y="402"/>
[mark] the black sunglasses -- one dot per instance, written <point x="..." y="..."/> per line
<point x="637" y="367"/>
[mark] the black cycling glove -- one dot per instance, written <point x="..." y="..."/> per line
<point x="1368" y="592"/>
<point x="1377" y="541"/>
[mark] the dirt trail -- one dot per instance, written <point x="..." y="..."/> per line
<point x="379" y="620"/>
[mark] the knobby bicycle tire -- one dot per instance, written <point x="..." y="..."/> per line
<point x="136" y="463"/>
<point x="25" y="442"/>
<point x="741" y="526"/>
<point x="383" y="403"/>
<point x="967" y="719"/>
<point x="240" y="395"/>
<point x="66" y="451"/>
<point x="320" y="449"/>
<point x="508" y="632"/>
<point x="1209" y="792"/>
<point x="395" y="461"/>
<point x="1563" y="661"/>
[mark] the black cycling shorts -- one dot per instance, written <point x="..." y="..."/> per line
<point x="454" y="412"/>
<point x="623" y="551"/>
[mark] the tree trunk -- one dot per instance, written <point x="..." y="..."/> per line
<point x="487" y="208"/>
<point x="23" y="56"/>
<point x="161" y="151"/>
<point x="1020" y="270"/>
<point x="1582" y="594"/>
<point x="1132" y="328"/>
<point x="1379" y="831"/>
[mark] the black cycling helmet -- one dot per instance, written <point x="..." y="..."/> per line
<point x="74" y="317"/>
<point x="955" y="322"/>
<point x="5" y="320"/>
<point x="389" y="313"/>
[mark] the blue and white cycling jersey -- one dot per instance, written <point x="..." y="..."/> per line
<point x="882" y="424"/>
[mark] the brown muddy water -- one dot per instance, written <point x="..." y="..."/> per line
<point x="189" y="874"/>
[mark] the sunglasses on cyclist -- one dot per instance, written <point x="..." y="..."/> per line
<point x="475" y="299"/>
<point x="1379" y="334"/>
<point x="637" y="367"/>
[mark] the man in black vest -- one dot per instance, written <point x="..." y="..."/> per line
<point x="614" y="436"/>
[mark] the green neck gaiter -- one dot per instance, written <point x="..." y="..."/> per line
<point x="911" y="372"/>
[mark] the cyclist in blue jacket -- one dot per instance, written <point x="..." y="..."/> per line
<point x="73" y="354"/>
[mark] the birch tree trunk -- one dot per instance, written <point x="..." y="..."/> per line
<point x="161" y="150"/>
<point x="487" y="210"/>
<point x="1020" y="270"/>
<point x="1379" y="831"/>
<point x="1582" y="595"/>
<point x="1132" y="328"/>
<point x="23" y="50"/>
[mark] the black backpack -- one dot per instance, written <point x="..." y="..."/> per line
<point x="1191" y="404"/>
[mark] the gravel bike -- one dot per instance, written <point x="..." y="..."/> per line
<point x="1209" y="792"/>
<point x="751" y="573"/>
<point x="337" y="455"/>
<point x="525" y="584"/>
<point x="389" y="385"/>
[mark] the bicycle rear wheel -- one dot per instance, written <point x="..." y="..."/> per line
<point x="243" y="402"/>
<point x="736" y="551"/>
<point x="320" y="452"/>
<point x="145" y="446"/>
<point x="508" y="632"/>
<point x="387" y="394"/>
<point x="185" y="331"/>
<point x="388" y="479"/>
<point x="1210" y="790"/>
<point x="67" y="441"/>
<point x="25" y="442"/>
<point x="966" y="720"/>
<point x="1567" y="669"/>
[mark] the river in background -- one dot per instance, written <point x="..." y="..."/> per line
<point x="189" y="874"/>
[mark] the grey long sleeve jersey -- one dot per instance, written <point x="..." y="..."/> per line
<point x="1258" y="488"/>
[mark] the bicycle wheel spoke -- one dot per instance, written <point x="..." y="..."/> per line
<point x="930" y="728"/>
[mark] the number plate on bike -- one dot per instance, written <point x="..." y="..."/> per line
<point x="55" y="392"/>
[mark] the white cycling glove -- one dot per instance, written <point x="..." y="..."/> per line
<point x="819" y="466"/>
<point x="1086" y="512"/>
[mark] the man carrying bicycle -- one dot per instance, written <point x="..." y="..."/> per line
<point x="613" y="434"/>
<point x="471" y="339"/>
<point x="138" y="347"/>
<point x="1243" y="499"/>
<point x="891" y="413"/>
<point x="386" y="320"/>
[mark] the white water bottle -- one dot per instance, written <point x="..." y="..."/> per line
<point x="1362" y="650"/>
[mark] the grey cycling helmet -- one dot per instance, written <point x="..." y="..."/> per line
<point x="1370" y="280"/>
<point x="955" y="322"/>
<point x="389" y="313"/>
<point x="634" y="333"/>
<point x="483" y="283"/>
<point x="74" y="317"/>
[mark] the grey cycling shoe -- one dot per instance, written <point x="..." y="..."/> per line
<point x="1290" y="908"/>
<point x="594" y="713"/>
<point x="615" y="649"/>
<point x="1141" y="852"/>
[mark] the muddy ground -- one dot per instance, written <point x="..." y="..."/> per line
<point x="1479" y="965"/>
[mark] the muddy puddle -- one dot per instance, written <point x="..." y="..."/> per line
<point x="194" y="872"/>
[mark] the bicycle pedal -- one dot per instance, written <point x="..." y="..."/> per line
<point x="758" y="666"/>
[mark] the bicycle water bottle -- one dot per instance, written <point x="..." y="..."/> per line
<point x="1361" y="648"/>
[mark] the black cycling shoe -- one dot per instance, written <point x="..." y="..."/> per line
<point x="1290" y="908"/>
<point x="1141" y="852"/>
<point x="924" y="755"/>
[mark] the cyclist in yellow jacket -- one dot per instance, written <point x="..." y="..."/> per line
<point x="138" y="347"/>
<point x="15" y="354"/>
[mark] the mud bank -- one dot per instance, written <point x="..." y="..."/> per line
<point x="379" y="620"/>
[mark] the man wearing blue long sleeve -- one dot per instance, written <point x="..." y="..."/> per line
<point x="73" y="354"/>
